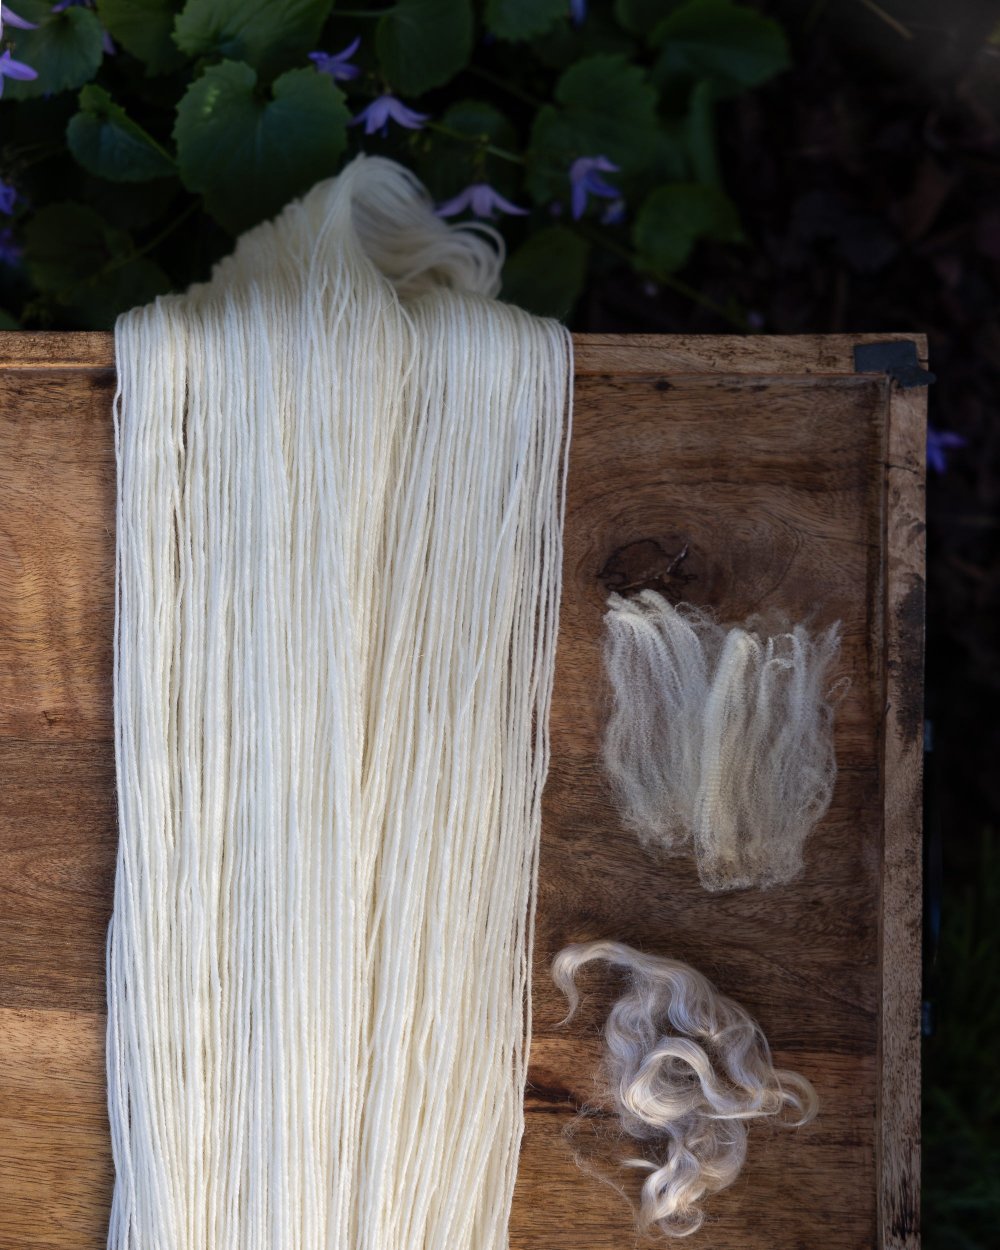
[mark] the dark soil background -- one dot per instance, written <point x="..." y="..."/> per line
<point x="869" y="182"/>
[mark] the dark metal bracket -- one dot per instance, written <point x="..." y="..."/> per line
<point x="896" y="357"/>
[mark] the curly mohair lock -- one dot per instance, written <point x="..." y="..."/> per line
<point x="686" y="1069"/>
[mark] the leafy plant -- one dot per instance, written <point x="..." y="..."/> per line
<point x="138" y="136"/>
<point x="961" y="1165"/>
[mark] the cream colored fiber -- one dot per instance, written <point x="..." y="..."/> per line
<point x="719" y="739"/>
<point x="340" y="477"/>
<point x="686" y="1069"/>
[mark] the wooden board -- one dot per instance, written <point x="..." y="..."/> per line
<point x="796" y="483"/>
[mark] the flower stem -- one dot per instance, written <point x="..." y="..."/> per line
<point x="493" y="150"/>
<point x="498" y="80"/>
<point x="893" y="22"/>
<point x="682" y="288"/>
<point x="118" y="261"/>
<point x="165" y="233"/>
<point x="674" y="284"/>
<point x="33" y="154"/>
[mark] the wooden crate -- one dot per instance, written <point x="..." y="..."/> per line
<point x="796" y="483"/>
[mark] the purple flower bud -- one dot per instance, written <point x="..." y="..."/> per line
<point x="482" y="201"/>
<point x="337" y="64"/>
<point x="14" y="69"/>
<point x="938" y="441"/>
<point x="7" y="18"/>
<point x="10" y="252"/>
<point x="585" y="179"/>
<point x="386" y="108"/>
<point x="8" y="197"/>
<point x="577" y="11"/>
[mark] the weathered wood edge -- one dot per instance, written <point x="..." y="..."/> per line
<point x="49" y="349"/>
<point x="898" y="1119"/>
<point x="781" y="355"/>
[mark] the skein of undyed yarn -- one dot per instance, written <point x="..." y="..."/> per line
<point x="340" y="499"/>
<point x="719" y="739"/>
<point x="686" y="1069"/>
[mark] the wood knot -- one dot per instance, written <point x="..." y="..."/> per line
<point x="645" y="565"/>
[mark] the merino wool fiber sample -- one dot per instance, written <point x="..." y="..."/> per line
<point x="340" y="499"/>
<point x="719" y="740"/>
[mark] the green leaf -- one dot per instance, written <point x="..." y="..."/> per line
<point x="268" y="34"/>
<point x="85" y="266"/>
<point x="480" y="120"/>
<point x="523" y="19"/>
<point x="565" y="44"/>
<point x="446" y="164"/>
<point x="423" y="43"/>
<point x="545" y="275"/>
<point x="97" y="304"/>
<point x="605" y="107"/>
<point x="673" y="218"/>
<point x="68" y="243"/>
<point x="106" y="141"/>
<point x="699" y="134"/>
<point x="138" y="205"/>
<point x="66" y="49"/>
<point x="144" y="28"/>
<point x="639" y="17"/>
<point x="733" y="45"/>
<point x="249" y="156"/>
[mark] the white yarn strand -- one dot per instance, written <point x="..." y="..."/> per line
<point x="686" y="1069"/>
<point x="341" y="467"/>
<point x="719" y="739"/>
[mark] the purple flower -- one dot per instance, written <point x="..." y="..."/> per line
<point x="336" y="64"/>
<point x="8" y="197"/>
<point x="11" y="19"/>
<point x="10" y="253"/>
<point x="14" y="69"/>
<point x="585" y="179"/>
<point x="614" y="214"/>
<point x="386" y="108"/>
<point x="483" y="202"/>
<point x="577" y="11"/>
<point x="937" y="443"/>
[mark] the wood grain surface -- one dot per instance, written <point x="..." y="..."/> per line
<point x="796" y="485"/>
